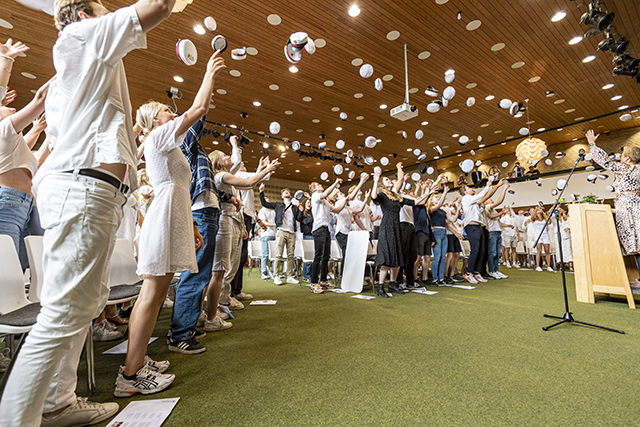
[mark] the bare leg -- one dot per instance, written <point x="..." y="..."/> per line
<point x="143" y="319"/>
<point x="538" y="254"/>
<point x="382" y="275"/>
<point x="213" y="293"/>
<point x="425" y="267"/>
<point x="454" y="263"/>
<point x="547" y="255"/>
<point x="416" y="266"/>
<point x="393" y="275"/>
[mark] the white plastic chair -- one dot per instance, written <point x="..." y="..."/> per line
<point x="35" y="252"/>
<point x="308" y="252"/>
<point x="336" y="258"/>
<point x="255" y="254"/>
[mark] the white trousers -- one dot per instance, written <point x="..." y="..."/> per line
<point x="233" y="237"/>
<point x="80" y="216"/>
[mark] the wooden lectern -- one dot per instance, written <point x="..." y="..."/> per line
<point x="597" y="257"/>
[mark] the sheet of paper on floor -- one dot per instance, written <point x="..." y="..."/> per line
<point x="424" y="291"/>
<point x="122" y="347"/>
<point x="364" y="297"/>
<point x="264" y="302"/>
<point x="463" y="287"/>
<point x="144" y="413"/>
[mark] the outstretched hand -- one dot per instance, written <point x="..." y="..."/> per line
<point x="12" y="50"/>
<point x="591" y="137"/>
<point x="8" y="98"/>
<point x="215" y="64"/>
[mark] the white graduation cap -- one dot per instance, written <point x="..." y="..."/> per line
<point x="417" y="152"/>
<point x="505" y="103"/>
<point x="480" y="138"/>
<point x="339" y="144"/>
<point x="337" y="169"/>
<point x="366" y="71"/>
<point x="505" y="164"/>
<point x="592" y="178"/>
<point x="239" y="54"/>
<point x="219" y="44"/>
<point x="544" y="153"/>
<point x="603" y="176"/>
<point x="292" y="55"/>
<point x="274" y="128"/>
<point x="415" y="176"/>
<point x="554" y="192"/>
<point x="444" y="101"/>
<point x="210" y="23"/>
<point x="404" y="135"/>
<point x="384" y="161"/>
<point x="471" y="101"/>
<point x="343" y="116"/>
<point x="449" y="76"/>
<point x="370" y="142"/>
<point x="421" y="157"/>
<point x="560" y="155"/>
<point x="352" y="174"/>
<point x="463" y="139"/>
<point x="610" y="189"/>
<point x="561" y="184"/>
<point x="369" y="160"/>
<point x="590" y="168"/>
<point x="299" y="40"/>
<point x="322" y="144"/>
<point x="419" y="134"/>
<point x="523" y="131"/>
<point x="430" y="170"/>
<point x="548" y="162"/>
<point x="430" y="91"/>
<point x="626" y="117"/>
<point x="438" y="149"/>
<point x="434" y="106"/>
<point x="449" y="93"/>
<point x="187" y="52"/>
<point x="324" y="176"/>
<point x="539" y="181"/>
<point x="466" y="165"/>
<point x="472" y="152"/>
<point x="478" y="163"/>
<point x="310" y="47"/>
<point x="378" y="84"/>
<point x="377" y="169"/>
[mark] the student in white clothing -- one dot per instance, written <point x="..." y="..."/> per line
<point x="81" y="190"/>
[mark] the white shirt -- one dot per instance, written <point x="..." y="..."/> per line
<point x="406" y="212"/>
<point x="14" y="151"/>
<point x="227" y="208"/>
<point x="508" y="231"/>
<point x="206" y="199"/>
<point x="376" y="210"/>
<point x="494" y="224"/>
<point x="343" y="224"/>
<point x="473" y="212"/>
<point x="364" y="216"/>
<point x="321" y="211"/>
<point x="268" y="215"/>
<point x="88" y="106"/>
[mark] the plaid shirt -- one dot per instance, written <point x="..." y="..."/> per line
<point x="201" y="170"/>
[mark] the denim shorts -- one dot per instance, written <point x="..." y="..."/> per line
<point x="15" y="211"/>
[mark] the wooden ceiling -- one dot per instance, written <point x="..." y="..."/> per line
<point x="334" y="85"/>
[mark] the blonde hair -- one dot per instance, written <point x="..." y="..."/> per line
<point x="217" y="161"/>
<point x="142" y="177"/>
<point x="312" y="187"/>
<point x="144" y="117"/>
<point x="66" y="11"/>
<point x="633" y="153"/>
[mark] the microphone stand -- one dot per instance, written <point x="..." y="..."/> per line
<point x="568" y="316"/>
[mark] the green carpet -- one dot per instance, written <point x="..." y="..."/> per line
<point x="461" y="357"/>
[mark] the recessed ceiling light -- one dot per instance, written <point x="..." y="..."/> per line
<point x="558" y="101"/>
<point x="356" y="62"/>
<point x="393" y="35"/>
<point x="608" y="86"/>
<point x="589" y="58"/>
<point x="299" y="130"/>
<point x="409" y="149"/>
<point x="233" y="126"/>
<point x="5" y="24"/>
<point x="274" y="19"/>
<point x="354" y="10"/>
<point x="484" y="125"/>
<point x="541" y="129"/>
<point x="471" y="85"/>
<point x="615" y="98"/>
<point x="358" y="95"/>
<point x="307" y="99"/>
<point x="317" y="164"/>
<point x="498" y="46"/>
<point x="320" y="42"/>
<point x="199" y="29"/>
<point x="383" y="106"/>
<point x="328" y="83"/>
<point x="360" y="118"/>
<point x="252" y="51"/>
<point x="424" y="123"/>
<point x="534" y="79"/>
<point x="235" y="73"/>
<point x="575" y="40"/>
<point x="622" y="107"/>
<point x="424" y="55"/>
<point x="338" y="128"/>
<point x="298" y="170"/>
<point x="274" y="87"/>
<point x="293" y="69"/>
<point x="489" y="98"/>
<point x="178" y="79"/>
<point x="634" y="111"/>
<point x="387" y="77"/>
<point x="578" y="119"/>
<point x="570" y="110"/>
<point x="481" y="145"/>
<point x="381" y="125"/>
<point x="256" y="103"/>
<point x="316" y="120"/>
<point x="455" y="135"/>
<point x="517" y="65"/>
<point x="558" y="16"/>
<point x="221" y="91"/>
<point x="436" y="157"/>
<point x="474" y="25"/>
<point x="288" y="112"/>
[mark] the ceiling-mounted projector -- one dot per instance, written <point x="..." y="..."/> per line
<point x="405" y="111"/>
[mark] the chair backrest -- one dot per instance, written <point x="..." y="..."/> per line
<point x="308" y="250"/>
<point x="335" y="250"/>
<point x="35" y="252"/>
<point x="466" y="248"/>
<point x="12" y="282"/>
<point x="298" y="251"/>
<point x="520" y="248"/>
<point x="272" y="250"/>
<point x="375" y="246"/>
<point x="123" y="264"/>
<point x="256" y="246"/>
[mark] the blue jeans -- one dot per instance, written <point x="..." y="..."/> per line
<point x="495" y="248"/>
<point x="187" y="304"/>
<point x="306" y="271"/>
<point x="15" y="211"/>
<point x="439" y="253"/>
<point x="265" y="253"/>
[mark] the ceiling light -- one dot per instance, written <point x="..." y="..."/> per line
<point x="199" y="29"/>
<point x="481" y="145"/>
<point x="256" y="103"/>
<point x="282" y="147"/>
<point x="455" y="135"/>
<point x="542" y="129"/>
<point x="625" y="65"/>
<point x="383" y="106"/>
<point x="424" y="123"/>
<point x="575" y="40"/>
<point x="338" y="128"/>
<point x="589" y="58"/>
<point x="596" y="18"/>
<point x="608" y="86"/>
<point x="178" y="79"/>
<point x="622" y="107"/>
<point x="615" y="98"/>
<point x="558" y="16"/>
<point x="489" y="98"/>
<point x="293" y="69"/>
<point x="409" y="149"/>
<point x="297" y="170"/>
<point x="354" y="10"/>
<point x="609" y="44"/>
<point x="265" y="145"/>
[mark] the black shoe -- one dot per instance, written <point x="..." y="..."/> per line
<point x="188" y="346"/>
<point x="414" y="285"/>
<point x="439" y="283"/>
<point x="125" y="313"/>
<point x="427" y="283"/>
<point x="394" y="289"/>
<point x="449" y="281"/>
<point x="457" y="279"/>
<point x="381" y="292"/>
<point x="199" y="334"/>
<point x="487" y="277"/>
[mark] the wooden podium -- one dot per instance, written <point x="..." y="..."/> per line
<point x="597" y="257"/>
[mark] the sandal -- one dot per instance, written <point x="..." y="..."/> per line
<point x="117" y="320"/>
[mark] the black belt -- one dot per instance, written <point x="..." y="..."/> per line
<point x="124" y="189"/>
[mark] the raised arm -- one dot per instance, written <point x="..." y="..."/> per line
<point x="374" y="189"/>
<point x="340" y="204"/>
<point x="441" y="202"/>
<point x="491" y="191"/>
<point x="153" y="12"/>
<point x="200" y="106"/>
<point x="8" y="53"/>
<point x="501" y="198"/>
<point x="33" y="109"/>
<point x="353" y="192"/>
<point x="400" y="180"/>
<point x="328" y="191"/>
<point x="230" y="179"/>
<point x="39" y="124"/>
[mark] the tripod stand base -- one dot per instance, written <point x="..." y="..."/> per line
<point x="568" y="318"/>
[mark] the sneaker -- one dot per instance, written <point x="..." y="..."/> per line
<point x="330" y="276"/>
<point x="81" y="413"/>
<point x="538" y="269"/>
<point x="167" y="303"/>
<point x="201" y="318"/>
<point x="125" y="313"/>
<point x="157" y="366"/>
<point x="457" y="279"/>
<point x="292" y="280"/>
<point x="316" y="289"/>
<point x="414" y="285"/>
<point x="479" y="278"/>
<point x="327" y="285"/>
<point x="243" y="297"/>
<point x="470" y="278"/>
<point x="222" y="313"/>
<point x="4" y="359"/>
<point x="265" y="276"/>
<point x="188" y="346"/>
<point x="449" y="281"/>
<point x="427" y="282"/>
<point x="277" y="280"/>
<point x="507" y="264"/>
<point x="145" y="381"/>
<point x="234" y="304"/>
<point x="217" y="324"/>
<point x="551" y="270"/>
<point x="495" y="275"/>
<point x="199" y="334"/>
<point x="102" y="332"/>
<point x="109" y="325"/>
<point x="502" y="276"/>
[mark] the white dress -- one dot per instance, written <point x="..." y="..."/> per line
<point x="567" y="253"/>
<point x="166" y="239"/>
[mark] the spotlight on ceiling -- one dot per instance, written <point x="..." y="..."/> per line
<point x="625" y="65"/>
<point x="610" y="44"/>
<point x="295" y="145"/>
<point x="596" y="18"/>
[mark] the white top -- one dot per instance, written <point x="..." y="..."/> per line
<point x="376" y="210"/>
<point x="565" y="234"/>
<point x="508" y="231"/>
<point x="519" y="222"/>
<point x="206" y="199"/>
<point x="343" y="224"/>
<point x="227" y="209"/>
<point x="473" y="212"/>
<point x="166" y="239"/>
<point x="247" y="196"/>
<point x="538" y="227"/>
<point x="288" y="220"/>
<point x="321" y="211"/>
<point x="88" y="107"/>
<point x="494" y="224"/>
<point x="268" y="215"/>
<point x="14" y="152"/>
<point x="406" y="211"/>
<point x="364" y="216"/>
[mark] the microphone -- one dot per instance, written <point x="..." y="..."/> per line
<point x="581" y="153"/>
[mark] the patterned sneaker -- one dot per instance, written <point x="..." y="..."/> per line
<point x="292" y="280"/>
<point x="145" y="381"/>
<point x="157" y="366"/>
<point x="222" y="313"/>
<point x="327" y="285"/>
<point x="188" y="346"/>
<point x="82" y="413"/>
<point x="102" y="332"/>
<point x="479" y="278"/>
<point x="469" y="278"/>
<point x="201" y="318"/>
<point x="234" y="304"/>
<point x="198" y="335"/>
<point x="217" y="324"/>
<point x="243" y="297"/>
<point x="316" y="289"/>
